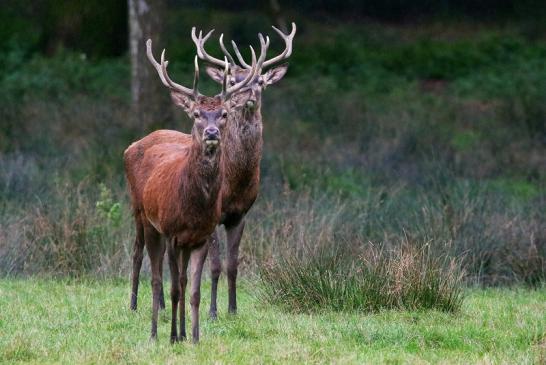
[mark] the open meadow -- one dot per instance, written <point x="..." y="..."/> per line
<point x="89" y="322"/>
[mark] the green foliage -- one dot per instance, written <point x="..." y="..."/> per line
<point x="62" y="76"/>
<point x="347" y="182"/>
<point x="107" y="208"/>
<point x="519" y="189"/>
<point x="465" y="140"/>
<point x="427" y="59"/>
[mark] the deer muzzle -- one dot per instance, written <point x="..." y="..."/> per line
<point x="211" y="136"/>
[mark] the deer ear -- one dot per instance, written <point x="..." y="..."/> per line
<point x="216" y="74"/>
<point x="275" y="74"/>
<point x="182" y="100"/>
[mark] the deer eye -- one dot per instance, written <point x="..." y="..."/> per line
<point x="260" y="81"/>
<point x="196" y="114"/>
<point x="224" y="114"/>
<point x="232" y="82"/>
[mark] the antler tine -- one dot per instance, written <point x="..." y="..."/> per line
<point x="264" y="44"/>
<point x="196" y="79"/>
<point x="226" y="52"/>
<point x="238" y="54"/>
<point x="173" y="85"/>
<point x="224" y="81"/>
<point x="154" y="63"/>
<point x="288" y="38"/>
<point x="200" y="45"/>
<point x="162" y="70"/>
<point x="248" y="78"/>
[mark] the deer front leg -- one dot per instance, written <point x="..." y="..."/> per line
<point x="175" y="289"/>
<point x="138" y="255"/>
<point x="215" y="270"/>
<point x="234" y="234"/>
<point x="183" y="259"/>
<point x="153" y="246"/>
<point x="198" y="257"/>
<point x="161" y="295"/>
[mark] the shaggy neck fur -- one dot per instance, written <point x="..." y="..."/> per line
<point x="203" y="180"/>
<point x="244" y="150"/>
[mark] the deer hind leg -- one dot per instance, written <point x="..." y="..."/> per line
<point x="215" y="270"/>
<point x="155" y="250"/>
<point x="233" y="233"/>
<point x="138" y="255"/>
<point x="183" y="259"/>
<point x="198" y="257"/>
<point x="161" y="293"/>
<point x="175" y="288"/>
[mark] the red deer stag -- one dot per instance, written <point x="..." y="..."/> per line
<point x="175" y="191"/>
<point x="243" y="150"/>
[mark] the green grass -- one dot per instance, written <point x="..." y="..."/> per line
<point x="45" y="321"/>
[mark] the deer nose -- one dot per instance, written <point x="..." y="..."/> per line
<point x="251" y="103"/>
<point x="212" y="133"/>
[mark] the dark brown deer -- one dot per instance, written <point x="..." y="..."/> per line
<point x="175" y="191"/>
<point x="243" y="151"/>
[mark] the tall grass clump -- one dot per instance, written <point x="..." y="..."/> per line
<point x="407" y="276"/>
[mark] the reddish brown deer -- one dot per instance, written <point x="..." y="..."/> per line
<point x="243" y="151"/>
<point x="244" y="135"/>
<point x="175" y="191"/>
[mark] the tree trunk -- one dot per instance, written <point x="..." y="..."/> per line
<point x="151" y="107"/>
<point x="277" y="16"/>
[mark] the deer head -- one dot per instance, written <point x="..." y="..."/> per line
<point x="209" y="114"/>
<point x="237" y="73"/>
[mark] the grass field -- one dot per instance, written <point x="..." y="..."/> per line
<point x="46" y="321"/>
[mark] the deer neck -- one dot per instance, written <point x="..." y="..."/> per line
<point x="205" y="168"/>
<point x="244" y="149"/>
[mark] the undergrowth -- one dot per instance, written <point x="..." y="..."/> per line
<point x="407" y="276"/>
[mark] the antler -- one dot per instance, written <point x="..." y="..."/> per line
<point x="164" y="76"/>
<point x="224" y="49"/>
<point x="288" y="50"/>
<point x="200" y="43"/>
<point x="288" y="38"/>
<point x="228" y="91"/>
<point x="264" y="44"/>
